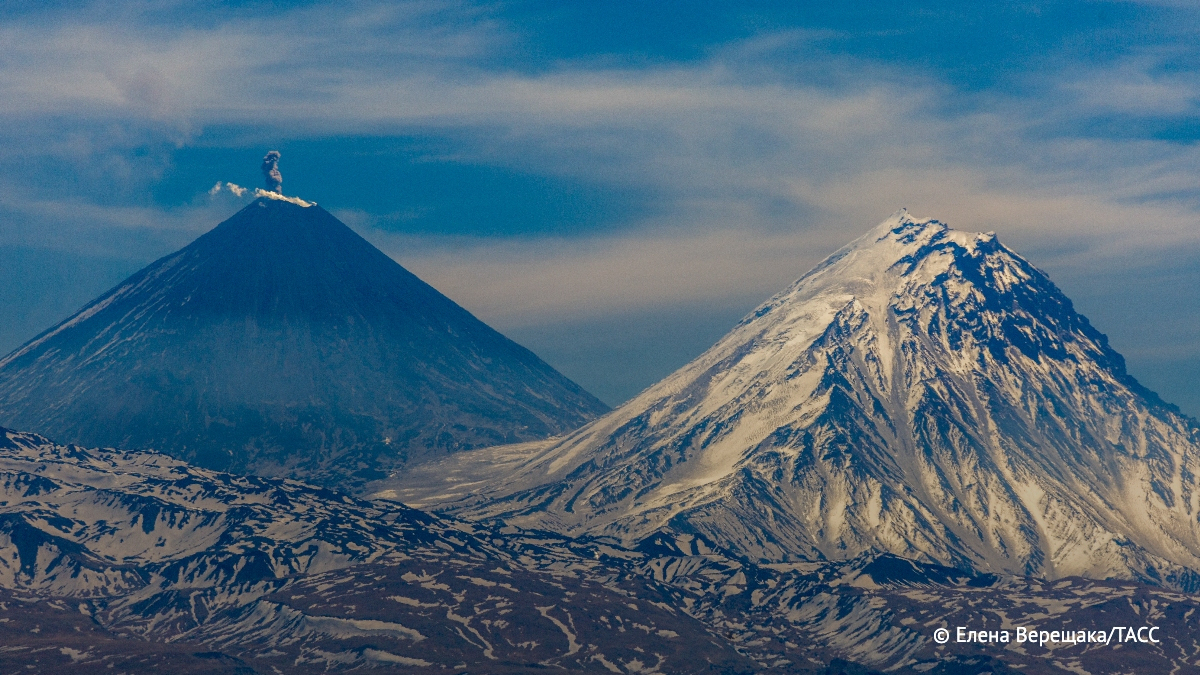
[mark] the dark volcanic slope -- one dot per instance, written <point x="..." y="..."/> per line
<point x="282" y="343"/>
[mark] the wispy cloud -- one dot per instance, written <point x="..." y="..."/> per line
<point x="64" y="222"/>
<point x="760" y="164"/>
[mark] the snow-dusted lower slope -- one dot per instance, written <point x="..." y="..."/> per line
<point x="923" y="391"/>
<point x="105" y="553"/>
<point x="137" y="563"/>
<point x="96" y="523"/>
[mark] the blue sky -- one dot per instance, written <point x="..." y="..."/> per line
<point x="615" y="184"/>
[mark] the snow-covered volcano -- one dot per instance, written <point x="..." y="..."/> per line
<point x="923" y="391"/>
<point x="284" y="344"/>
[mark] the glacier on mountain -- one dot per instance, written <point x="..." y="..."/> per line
<point x="924" y="392"/>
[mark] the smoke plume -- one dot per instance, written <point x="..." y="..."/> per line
<point x="270" y="169"/>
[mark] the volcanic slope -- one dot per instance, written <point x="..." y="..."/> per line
<point x="282" y="343"/>
<point x="923" y="392"/>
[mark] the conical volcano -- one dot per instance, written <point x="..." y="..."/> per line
<point x="923" y="392"/>
<point x="282" y="343"/>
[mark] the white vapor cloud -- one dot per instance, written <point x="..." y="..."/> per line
<point x="260" y="193"/>
<point x="234" y="188"/>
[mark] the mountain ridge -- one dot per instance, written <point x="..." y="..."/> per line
<point x="135" y="562"/>
<point x="923" y="392"/>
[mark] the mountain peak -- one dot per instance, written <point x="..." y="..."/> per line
<point x="923" y="392"/>
<point x="280" y="342"/>
<point x="900" y="228"/>
<point x="903" y="237"/>
<point x="902" y="256"/>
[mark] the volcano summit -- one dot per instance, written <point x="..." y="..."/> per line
<point x="923" y="392"/>
<point x="282" y="343"/>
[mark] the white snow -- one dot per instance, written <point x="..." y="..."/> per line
<point x="868" y="407"/>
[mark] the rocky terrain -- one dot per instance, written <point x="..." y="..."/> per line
<point x="135" y="562"/>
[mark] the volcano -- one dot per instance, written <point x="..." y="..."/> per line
<point x="923" y="392"/>
<point x="282" y="343"/>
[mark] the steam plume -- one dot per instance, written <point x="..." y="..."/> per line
<point x="270" y="169"/>
<point x="259" y="192"/>
<point x="236" y="189"/>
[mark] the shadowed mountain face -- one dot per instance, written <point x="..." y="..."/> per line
<point x="923" y="392"/>
<point x="282" y="343"/>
